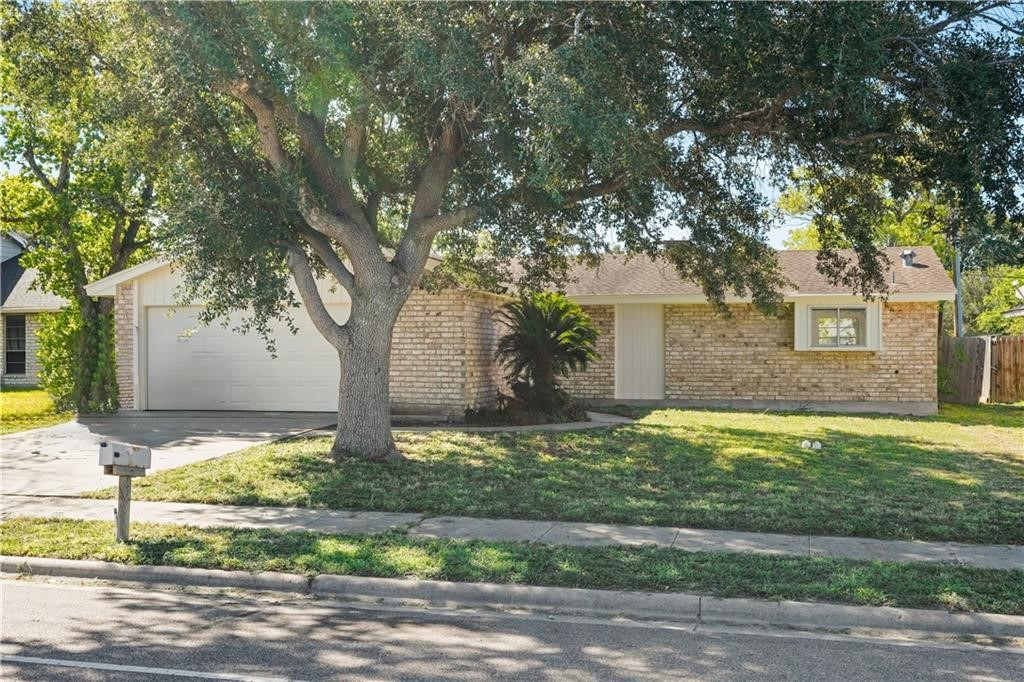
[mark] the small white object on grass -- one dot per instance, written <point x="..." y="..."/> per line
<point x="806" y="444"/>
<point x="816" y="445"/>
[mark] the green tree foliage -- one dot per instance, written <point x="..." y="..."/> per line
<point x="549" y="337"/>
<point x="1004" y="292"/>
<point x="915" y="220"/>
<point x="319" y="132"/>
<point x="920" y="218"/>
<point x="82" y="159"/>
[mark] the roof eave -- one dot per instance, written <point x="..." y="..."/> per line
<point x="107" y="286"/>
<point x="21" y="310"/>
<point x="697" y="299"/>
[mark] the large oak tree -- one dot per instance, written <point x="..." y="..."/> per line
<point x="346" y="140"/>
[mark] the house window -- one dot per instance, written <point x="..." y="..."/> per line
<point x="14" y="344"/>
<point x="839" y="327"/>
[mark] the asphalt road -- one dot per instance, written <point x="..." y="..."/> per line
<point x="68" y="631"/>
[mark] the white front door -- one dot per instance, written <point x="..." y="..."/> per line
<point x="215" y="368"/>
<point x="640" y="351"/>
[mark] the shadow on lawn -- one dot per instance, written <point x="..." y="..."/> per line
<point x="650" y="474"/>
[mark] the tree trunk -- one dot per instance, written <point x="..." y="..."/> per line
<point x="95" y="378"/>
<point x="364" y="397"/>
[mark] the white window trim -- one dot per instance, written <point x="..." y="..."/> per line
<point x="803" y="332"/>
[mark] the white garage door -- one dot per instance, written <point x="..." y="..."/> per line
<point x="214" y="368"/>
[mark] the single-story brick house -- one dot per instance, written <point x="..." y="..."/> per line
<point x="22" y="307"/>
<point x="660" y="342"/>
<point x="831" y="350"/>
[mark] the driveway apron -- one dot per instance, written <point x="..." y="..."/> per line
<point x="62" y="459"/>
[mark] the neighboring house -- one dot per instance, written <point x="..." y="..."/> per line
<point x="21" y="308"/>
<point x="1017" y="310"/>
<point x="661" y="341"/>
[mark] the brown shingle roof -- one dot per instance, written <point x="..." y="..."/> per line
<point x="620" y="275"/>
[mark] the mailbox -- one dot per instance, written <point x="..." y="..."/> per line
<point x="117" y="454"/>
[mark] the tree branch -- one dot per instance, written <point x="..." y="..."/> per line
<point x="861" y="139"/>
<point x="266" y="124"/>
<point x="349" y="229"/>
<point x="940" y="26"/>
<point x="753" y="121"/>
<point x="362" y="249"/>
<point x="328" y="171"/>
<point x="33" y="165"/>
<point x="597" y="189"/>
<point x="311" y="299"/>
<point x="321" y="246"/>
<point x="355" y="138"/>
<point x="414" y="248"/>
<point x="439" y="223"/>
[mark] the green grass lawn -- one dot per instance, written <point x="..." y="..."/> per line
<point x="956" y="476"/>
<point x="632" y="568"/>
<point x="27" y="408"/>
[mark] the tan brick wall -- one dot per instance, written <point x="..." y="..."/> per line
<point x="751" y="357"/>
<point x="598" y="381"/>
<point x="442" y="353"/>
<point x="124" y="344"/>
<point x="33" y="321"/>
<point x="482" y="331"/>
<point x="427" y="355"/>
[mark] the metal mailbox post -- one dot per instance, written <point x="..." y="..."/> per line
<point x="125" y="461"/>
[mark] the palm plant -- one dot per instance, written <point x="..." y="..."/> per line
<point x="549" y="337"/>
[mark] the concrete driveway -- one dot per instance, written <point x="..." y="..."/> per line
<point x="61" y="460"/>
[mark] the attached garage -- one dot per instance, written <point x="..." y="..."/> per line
<point x="191" y="367"/>
<point x="442" y="352"/>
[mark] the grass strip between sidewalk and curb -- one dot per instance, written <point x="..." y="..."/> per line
<point x="648" y="569"/>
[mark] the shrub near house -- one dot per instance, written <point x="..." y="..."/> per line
<point x="548" y="337"/>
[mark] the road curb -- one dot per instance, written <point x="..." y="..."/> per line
<point x="170" y="575"/>
<point x="678" y="607"/>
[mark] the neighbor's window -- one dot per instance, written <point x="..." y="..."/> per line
<point x="838" y="327"/>
<point x="14" y="344"/>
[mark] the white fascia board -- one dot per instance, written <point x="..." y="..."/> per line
<point x="682" y="299"/>
<point x="108" y="285"/>
<point x="614" y="299"/>
<point x="17" y="237"/>
<point x="902" y="297"/>
<point x="30" y="309"/>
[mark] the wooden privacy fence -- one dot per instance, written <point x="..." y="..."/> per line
<point x="981" y="369"/>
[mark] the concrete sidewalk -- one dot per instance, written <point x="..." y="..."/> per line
<point x="559" y="533"/>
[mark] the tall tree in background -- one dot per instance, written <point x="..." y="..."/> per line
<point x="345" y="139"/>
<point x="914" y="220"/>
<point x="83" y="158"/>
<point x="1003" y="289"/>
